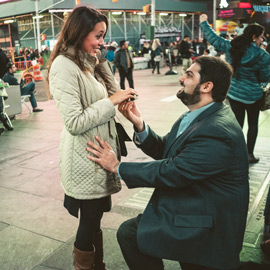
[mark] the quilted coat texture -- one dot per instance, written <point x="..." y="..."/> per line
<point x="83" y="103"/>
<point x="254" y="68"/>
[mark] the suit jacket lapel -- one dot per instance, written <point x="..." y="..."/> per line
<point x="172" y="135"/>
<point x="172" y="139"/>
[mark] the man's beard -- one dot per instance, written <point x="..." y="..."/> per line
<point x="190" y="99"/>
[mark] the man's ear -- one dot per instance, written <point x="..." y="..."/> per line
<point x="207" y="87"/>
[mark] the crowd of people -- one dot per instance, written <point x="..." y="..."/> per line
<point x="200" y="169"/>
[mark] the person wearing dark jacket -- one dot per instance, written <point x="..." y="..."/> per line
<point x="197" y="213"/>
<point x="27" y="89"/>
<point x="3" y="62"/>
<point x="186" y="53"/>
<point x="124" y="64"/>
<point x="251" y="65"/>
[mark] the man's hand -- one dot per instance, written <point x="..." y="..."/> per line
<point x="132" y="113"/>
<point x="203" y="18"/>
<point x="104" y="155"/>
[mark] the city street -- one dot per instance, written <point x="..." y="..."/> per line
<point x="37" y="233"/>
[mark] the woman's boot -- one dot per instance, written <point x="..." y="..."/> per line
<point x="157" y="68"/>
<point x="98" y="243"/>
<point x="83" y="260"/>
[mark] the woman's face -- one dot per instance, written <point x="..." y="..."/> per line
<point x="258" y="40"/>
<point x="94" y="39"/>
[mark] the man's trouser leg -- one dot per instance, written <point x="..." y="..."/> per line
<point x="29" y="90"/>
<point x="122" y="74"/>
<point x="186" y="63"/>
<point x="130" y="78"/>
<point x="127" y="239"/>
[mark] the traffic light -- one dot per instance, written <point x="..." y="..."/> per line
<point x="78" y="2"/>
<point x="147" y="8"/>
<point x="43" y="37"/>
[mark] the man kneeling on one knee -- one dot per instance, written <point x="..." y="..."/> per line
<point x="197" y="213"/>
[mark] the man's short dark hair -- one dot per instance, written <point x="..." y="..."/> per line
<point x="122" y="42"/>
<point x="216" y="71"/>
<point x="186" y="36"/>
<point x="9" y="65"/>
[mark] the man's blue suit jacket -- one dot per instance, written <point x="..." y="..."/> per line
<point x="197" y="213"/>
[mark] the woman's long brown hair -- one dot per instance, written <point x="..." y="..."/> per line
<point x="78" y="25"/>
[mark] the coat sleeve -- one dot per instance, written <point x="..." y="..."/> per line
<point x="117" y="59"/>
<point x="65" y="86"/>
<point x="218" y="42"/>
<point x="264" y="62"/>
<point x="200" y="159"/>
<point x="153" y="145"/>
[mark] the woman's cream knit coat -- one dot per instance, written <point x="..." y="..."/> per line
<point x="83" y="103"/>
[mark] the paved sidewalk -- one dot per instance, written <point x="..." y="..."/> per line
<point x="37" y="233"/>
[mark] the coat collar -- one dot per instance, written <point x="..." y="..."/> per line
<point x="88" y="60"/>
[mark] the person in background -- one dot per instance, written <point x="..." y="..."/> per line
<point x="197" y="213"/>
<point x="156" y="47"/>
<point x="26" y="89"/>
<point x="46" y="55"/>
<point x="267" y="37"/>
<point x="3" y="62"/>
<point x="123" y="62"/>
<point x="146" y="52"/>
<point x="264" y="45"/>
<point x="195" y="46"/>
<point x="110" y="55"/>
<point x="85" y="92"/>
<point x="206" y="52"/>
<point x="146" y="48"/>
<point x="240" y="29"/>
<point x="3" y="116"/>
<point x="186" y="53"/>
<point x="251" y="66"/>
<point x="203" y="45"/>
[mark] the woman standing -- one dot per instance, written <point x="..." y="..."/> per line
<point x="251" y="65"/>
<point x="156" y="47"/>
<point x="85" y="92"/>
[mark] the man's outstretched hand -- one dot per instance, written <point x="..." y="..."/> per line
<point x="103" y="155"/>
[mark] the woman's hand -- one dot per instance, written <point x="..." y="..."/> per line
<point x="203" y="18"/>
<point x="132" y="113"/>
<point x="104" y="155"/>
<point x="122" y="95"/>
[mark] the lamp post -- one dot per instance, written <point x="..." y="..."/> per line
<point x="153" y="10"/>
<point x="38" y="27"/>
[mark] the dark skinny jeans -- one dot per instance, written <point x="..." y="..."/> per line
<point x="253" y="112"/>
